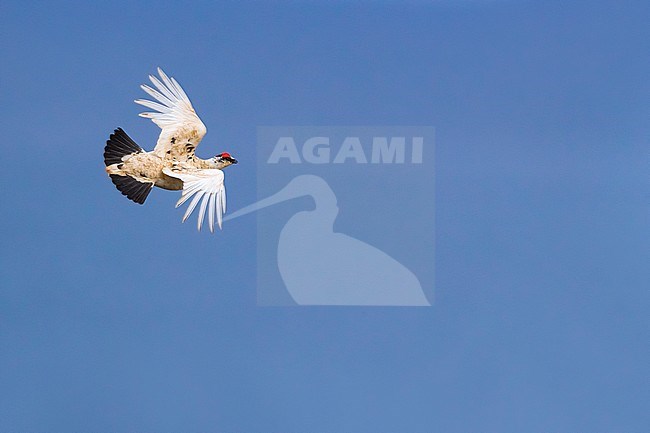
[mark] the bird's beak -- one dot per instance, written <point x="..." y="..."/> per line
<point x="297" y="187"/>
<point x="233" y="160"/>
<point x="280" y="196"/>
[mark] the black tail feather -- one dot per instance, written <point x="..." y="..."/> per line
<point x="119" y="145"/>
<point x="131" y="188"/>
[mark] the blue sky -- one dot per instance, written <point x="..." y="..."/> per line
<point x="117" y="318"/>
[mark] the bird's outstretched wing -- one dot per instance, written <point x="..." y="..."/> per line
<point x="202" y="183"/>
<point x="182" y="130"/>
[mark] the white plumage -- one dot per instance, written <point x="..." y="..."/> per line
<point x="172" y="163"/>
<point x="175" y="114"/>
<point x="206" y="183"/>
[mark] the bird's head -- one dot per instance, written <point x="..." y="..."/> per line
<point x="223" y="160"/>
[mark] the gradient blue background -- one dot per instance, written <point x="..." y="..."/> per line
<point x="117" y="318"/>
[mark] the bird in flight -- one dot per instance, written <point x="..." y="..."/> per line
<point x="172" y="164"/>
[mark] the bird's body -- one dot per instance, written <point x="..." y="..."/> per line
<point x="148" y="167"/>
<point x="172" y="164"/>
